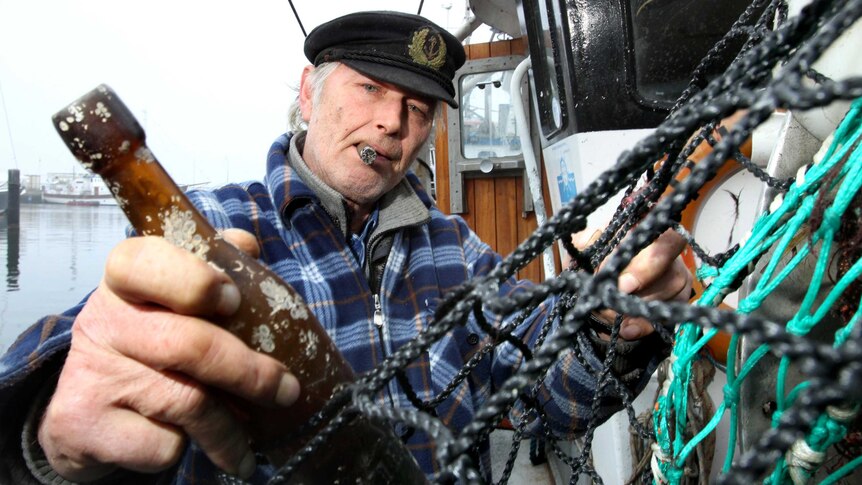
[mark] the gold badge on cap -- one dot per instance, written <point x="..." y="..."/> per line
<point x="428" y="48"/>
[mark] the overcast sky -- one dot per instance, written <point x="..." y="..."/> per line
<point x="210" y="81"/>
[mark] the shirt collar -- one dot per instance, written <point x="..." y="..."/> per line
<point x="359" y="242"/>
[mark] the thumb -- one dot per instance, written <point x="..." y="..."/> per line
<point x="242" y="240"/>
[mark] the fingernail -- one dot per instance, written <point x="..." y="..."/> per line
<point x="228" y="301"/>
<point x="247" y="466"/>
<point x="628" y="283"/>
<point x="288" y="390"/>
<point x="630" y="332"/>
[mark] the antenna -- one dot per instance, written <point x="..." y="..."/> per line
<point x="8" y="126"/>
<point x="297" y="18"/>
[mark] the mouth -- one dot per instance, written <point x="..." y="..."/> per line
<point x="367" y="154"/>
<point x="370" y="153"/>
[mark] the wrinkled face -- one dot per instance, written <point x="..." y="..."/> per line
<point x="353" y="111"/>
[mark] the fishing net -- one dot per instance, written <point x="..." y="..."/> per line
<point x="816" y="215"/>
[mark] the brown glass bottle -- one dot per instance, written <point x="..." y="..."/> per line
<point x="106" y="138"/>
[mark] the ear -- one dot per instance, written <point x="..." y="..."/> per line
<point x="305" y="94"/>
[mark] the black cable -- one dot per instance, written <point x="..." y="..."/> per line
<point x="298" y="21"/>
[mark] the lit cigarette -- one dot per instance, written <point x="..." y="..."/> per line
<point x="368" y="155"/>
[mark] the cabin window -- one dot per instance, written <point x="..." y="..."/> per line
<point x="483" y="136"/>
<point x="670" y="39"/>
<point x="489" y="129"/>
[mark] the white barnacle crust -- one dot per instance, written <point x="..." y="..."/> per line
<point x="179" y="228"/>
<point x="124" y="147"/>
<point x="263" y="338"/>
<point x="116" y="188"/>
<point x="102" y="112"/>
<point x="143" y="154"/>
<point x="279" y="298"/>
<point x="63" y="125"/>
<point x="77" y="112"/>
<point x="309" y="340"/>
<point x="215" y="266"/>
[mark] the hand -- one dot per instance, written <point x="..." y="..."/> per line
<point x="656" y="273"/>
<point x="139" y="377"/>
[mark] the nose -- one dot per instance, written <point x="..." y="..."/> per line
<point x="390" y="115"/>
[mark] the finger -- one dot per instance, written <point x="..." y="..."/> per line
<point x="676" y="287"/>
<point x="651" y="264"/>
<point x="242" y="240"/>
<point x="582" y="240"/>
<point x="185" y="403"/>
<point x="674" y="281"/>
<point x="150" y="269"/>
<point x="210" y="354"/>
<point x="86" y="434"/>
<point x="123" y="439"/>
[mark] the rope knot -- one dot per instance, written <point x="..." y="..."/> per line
<point x="731" y="393"/>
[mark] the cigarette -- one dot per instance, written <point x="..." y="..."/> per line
<point x="368" y="155"/>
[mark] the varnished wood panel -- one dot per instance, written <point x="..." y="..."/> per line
<point x="506" y="214"/>
<point x="485" y="211"/>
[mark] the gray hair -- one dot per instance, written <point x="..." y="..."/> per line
<point x="316" y="78"/>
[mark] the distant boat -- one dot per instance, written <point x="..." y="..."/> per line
<point x="4" y="199"/>
<point x="84" y="189"/>
<point x="76" y="189"/>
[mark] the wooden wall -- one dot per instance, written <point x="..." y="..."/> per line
<point x="493" y="207"/>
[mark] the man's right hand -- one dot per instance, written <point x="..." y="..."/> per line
<point x="144" y="362"/>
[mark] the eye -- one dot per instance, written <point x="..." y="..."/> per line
<point x="370" y="88"/>
<point x="418" y="109"/>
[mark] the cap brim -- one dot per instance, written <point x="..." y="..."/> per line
<point x="408" y="80"/>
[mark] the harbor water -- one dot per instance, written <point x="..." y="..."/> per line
<point x="53" y="259"/>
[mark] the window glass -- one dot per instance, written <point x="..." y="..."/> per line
<point x="671" y="37"/>
<point x="488" y="125"/>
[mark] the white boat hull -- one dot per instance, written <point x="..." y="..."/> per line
<point x="78" y="199"/>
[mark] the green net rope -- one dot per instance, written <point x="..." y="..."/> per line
<point x="784" y="224"/>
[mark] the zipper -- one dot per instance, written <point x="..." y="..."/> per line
<point x="378" y="311"/>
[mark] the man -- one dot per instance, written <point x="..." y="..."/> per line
<point x="128" y="393"/>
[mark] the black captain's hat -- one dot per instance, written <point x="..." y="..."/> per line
<point x="399" y="48"/>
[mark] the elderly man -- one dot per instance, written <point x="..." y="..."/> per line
<point x="125" y="387"/>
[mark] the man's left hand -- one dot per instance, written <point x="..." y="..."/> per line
<point x="656" y="273"/>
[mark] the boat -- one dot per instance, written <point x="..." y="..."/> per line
<point x="82" y="189"/>
<point x="76" y="189"/>
<point x="4" y="198"/>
